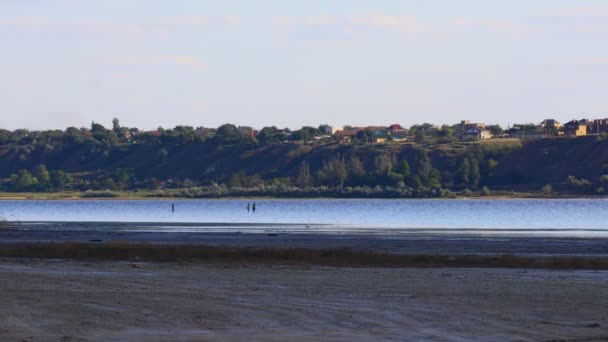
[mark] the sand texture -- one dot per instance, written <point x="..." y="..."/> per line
<point x="122" y="301"/>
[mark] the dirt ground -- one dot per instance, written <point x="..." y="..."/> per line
<point x="105" y="301"/>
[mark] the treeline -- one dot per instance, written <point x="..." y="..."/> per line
<point x="230" y="162"/>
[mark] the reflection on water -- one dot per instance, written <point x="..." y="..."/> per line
<point x="577" y="214"/>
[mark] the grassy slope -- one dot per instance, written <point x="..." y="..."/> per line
<point x="522" y="167"/>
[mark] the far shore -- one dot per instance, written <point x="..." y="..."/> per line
<point x="142" y="195"/>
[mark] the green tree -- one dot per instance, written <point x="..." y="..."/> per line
<point x="383" y="164"/>
<point x="303" y="179"/>
<point x="59" y="179"/>
<point x="227" y="134"/>
<point x="495" y="130"/>
<point x="474" y="176"/>
<point x="404" y="168"/>
<point x="463" y="172"/>
<point x="42" y="174"/>
<point x="333" y="172"/>
<point x="355" y="167"/>
<point x="23" y="180"/>
<point x="116" y="125"/>
<point x="422" y="165"/>
<point x="268" y="136"/>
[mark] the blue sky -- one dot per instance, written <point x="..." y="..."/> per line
<point x="285" y="63"/>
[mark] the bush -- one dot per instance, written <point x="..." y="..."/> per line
<point x="604" y="179"/>
<point x="485" y="191"/>
<point x="547" y="189"/>
<point x="599" y="191"/>
<point x="578" y="184"/>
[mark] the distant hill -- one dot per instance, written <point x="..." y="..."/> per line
<point x="499" y="164"/>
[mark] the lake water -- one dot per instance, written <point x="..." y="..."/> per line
<point x="561" y="217"/>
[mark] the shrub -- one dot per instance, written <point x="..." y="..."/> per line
<point x="547" y="189"/>
<point x="604" y="179"/>
<point x="578" y="184"/>
<point x="599" y="191"/>
<point x="485" y="191"/>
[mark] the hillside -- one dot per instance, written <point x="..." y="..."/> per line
<point x="505" y="164"/>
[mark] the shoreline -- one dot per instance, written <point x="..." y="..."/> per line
<point x="76" y="196"/>
<point x="300" y="244"/>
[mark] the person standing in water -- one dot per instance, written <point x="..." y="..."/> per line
<point x="253" y="207"/>
<point x="172" y="207"/>
<point x="248" y="206"/>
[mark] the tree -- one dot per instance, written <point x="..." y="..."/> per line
<point x="59" y="179"/>
<point x="23" y="180"/>
<point x="383" y="164"/>
<point x="43" y="176"/>
<point x="355" y="167"/>
<point x="73" y="135"/>
<point x="404" y="168"/>
<point x="268" y="136"/>
<point x="116" y="125"/>
<point x="419" y="137"/>
<point x="303" y="179"/>
<point x="227" y="134"/>
<point x="162" y="155"/>
<point x="305" y="133"/>
<point x="333" y="172"/>
<point x="474" y="175"/>
<point x="463" y="172"/>
<point x="496" y="130"/>
<point x="422" y="165"/>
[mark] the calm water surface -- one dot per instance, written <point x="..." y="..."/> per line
<point x="585" y="216"/>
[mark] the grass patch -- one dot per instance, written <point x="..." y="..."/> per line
<point x="123" y="251"/>
<point x="99" y="194"/>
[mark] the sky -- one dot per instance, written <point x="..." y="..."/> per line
<point x="154" y="63"/>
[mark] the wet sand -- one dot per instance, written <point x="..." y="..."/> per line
<point x="262" y="300"/>
<point x="410" y="241"/>
<point x="104" y="301"/>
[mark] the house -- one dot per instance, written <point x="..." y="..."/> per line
<point x="247" y="131"/>
<point x="379" y="139"/>
<point x="576" y="128"/>
<point x="330" y="130"/>
<point x="549" y="123"/>
<point x="345" y="136"/>
<point x="205" y="132"/>
<point x="471" y="130"/>
<point x="477" y="133"/>
<point x="396" y="129"/>
<point x="468" y="124"/>
<point x="598" y="126"/>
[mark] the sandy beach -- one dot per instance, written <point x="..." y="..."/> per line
<point x="80" y="301"/>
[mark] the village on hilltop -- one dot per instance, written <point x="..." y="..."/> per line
<point x="464" y="131"/>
